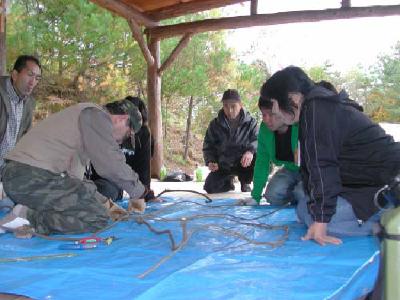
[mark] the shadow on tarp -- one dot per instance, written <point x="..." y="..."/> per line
<point x="211" y="266"/>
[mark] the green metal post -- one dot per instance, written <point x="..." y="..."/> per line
<point x="391" y="250"/>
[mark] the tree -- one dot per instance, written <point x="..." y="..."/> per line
<point x="383" y="102"/>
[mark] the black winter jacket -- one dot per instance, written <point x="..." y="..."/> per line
<point x="343" y="153"/>
<point x="225" y="149"/>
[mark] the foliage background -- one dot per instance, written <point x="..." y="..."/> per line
<point x="88" y="54"/>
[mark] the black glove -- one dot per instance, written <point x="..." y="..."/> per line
<point x="149" y="195"/>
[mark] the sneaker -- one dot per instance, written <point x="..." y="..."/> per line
<point x="245" y="188"/>
<point x="15" y="219"/>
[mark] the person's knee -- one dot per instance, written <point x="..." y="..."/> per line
<point x="277" y="194"/>
<point x="302" y="210"/>
<point x="218" y="184"/>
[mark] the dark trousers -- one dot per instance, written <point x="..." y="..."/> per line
<point x="222" y="180"/>
<point x="57" y="203"/>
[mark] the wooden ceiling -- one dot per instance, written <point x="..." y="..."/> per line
<point x="148" y="13"/>
<point x="157" y="10"/>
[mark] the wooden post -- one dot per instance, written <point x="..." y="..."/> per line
<point x="174" y="54"/>
<point x="253" y="7"/>
<point x="154" y="103"/>
<point x="188" y="128"/>
<point x="3" y="65"/>
<point x="346" y="3"/>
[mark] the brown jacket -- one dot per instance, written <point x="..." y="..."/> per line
<point x="5" y="107"/>
<point x="68" y="140"/>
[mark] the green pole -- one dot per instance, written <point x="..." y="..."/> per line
<point x="391" y="251"/>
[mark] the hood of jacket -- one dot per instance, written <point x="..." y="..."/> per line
<point x="343" y="97"/>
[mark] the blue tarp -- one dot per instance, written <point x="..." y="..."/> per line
<point x="214" y="264"/>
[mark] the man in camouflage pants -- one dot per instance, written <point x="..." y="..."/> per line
<point x="44" y="173"/>
<point x="79" y="210"/>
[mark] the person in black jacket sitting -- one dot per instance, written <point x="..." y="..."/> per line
<point x="345" y="158"/>
<point x="137" y="157"/>
<point x="230" y="145"/>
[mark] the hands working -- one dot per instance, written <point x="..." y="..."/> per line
<point x="317" y="232"/>
<point x="246" y="160"/>
<point x="116" y="212"/>
<point x="137" y="205"/>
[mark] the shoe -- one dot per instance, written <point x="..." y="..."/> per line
<point x="15" y="219"/>
<point x="245" y="188"/>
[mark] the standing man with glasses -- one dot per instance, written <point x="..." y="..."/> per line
<point x="17" y="104"/>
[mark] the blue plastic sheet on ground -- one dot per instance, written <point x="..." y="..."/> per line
<point x="216" y="263"/>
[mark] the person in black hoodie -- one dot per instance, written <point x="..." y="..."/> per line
<point x="345" y="158"/>
<point x="230" y="145"/>
<point x="137" y="157"/>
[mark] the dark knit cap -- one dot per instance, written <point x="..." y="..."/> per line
<point x="231" y="95"/>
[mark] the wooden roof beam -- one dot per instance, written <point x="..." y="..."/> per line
<point x="253" y="7"/>
<point x="138" y="36"/>
<point x="126" y="12"/>
<point x="184" y="8"/>
<point x="163" y="32"/>
<point x="174" y="54"/>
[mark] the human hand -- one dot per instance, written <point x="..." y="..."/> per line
<point x="246" y="202"/>
<point x="116" y="212"/>
<point x="149" y="197"/>
<point x="317" y="232"/>
<point x="246" y="160"/>
<point x="212" y="166"/>
<point x="137" y="205"/>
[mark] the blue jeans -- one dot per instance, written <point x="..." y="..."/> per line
<point x="344" y="222"/>
<point x="280" y="188"/>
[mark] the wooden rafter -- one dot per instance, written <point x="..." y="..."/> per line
<point x="126" y="11"/>
<point x="253" y="7"/>
<point x="174" y="54"/>
<point x="138" y="36"/>
<point x="163" y="32"/>
<point x="185" y="8"/>
<point x="346" y="3"/>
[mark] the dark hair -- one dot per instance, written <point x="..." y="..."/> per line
<point x="288" y="80"/>
<point x="139" y="103"/>
<point x="327" y="85"/>
<point x="20" y="63"/>
<point x="125" y="107"/>
<point x="231" y="94"/>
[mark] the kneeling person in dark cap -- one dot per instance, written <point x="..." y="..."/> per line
<point x="230" y="145"/>
<point x="137" y="152"/>
<point x="43" y="175"/>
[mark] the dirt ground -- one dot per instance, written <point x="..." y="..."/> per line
<point x="159" y="186"/>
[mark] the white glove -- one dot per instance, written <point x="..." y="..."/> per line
<point x="247" y="201"/>
<point x="137" y="205"/>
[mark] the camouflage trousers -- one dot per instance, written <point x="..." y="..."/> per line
<point x="57" y="203"/>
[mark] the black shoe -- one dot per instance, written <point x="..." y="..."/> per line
<point x="245" y="188"/>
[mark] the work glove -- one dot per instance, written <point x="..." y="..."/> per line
<point x="246" y="201"/>
<point x="116" y="212"/>
<point x="149" y="196"/>
<point x="137" y="205"/>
